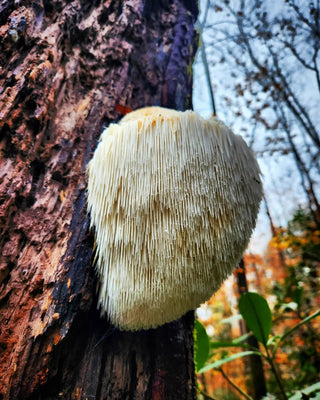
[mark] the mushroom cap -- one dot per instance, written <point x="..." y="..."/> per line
<point x="173" y="199"/>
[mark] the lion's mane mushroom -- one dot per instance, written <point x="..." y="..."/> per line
<point x="173" y="199"/>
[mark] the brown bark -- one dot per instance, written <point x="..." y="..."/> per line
<point x="65" y="67"/>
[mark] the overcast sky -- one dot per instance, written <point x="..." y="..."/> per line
<point x="280" y="177"/>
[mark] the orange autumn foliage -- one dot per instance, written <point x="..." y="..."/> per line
<point x="265" y="272"/>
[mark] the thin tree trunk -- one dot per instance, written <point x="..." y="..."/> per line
<point x="281" y="257"/>
<point x="67" y="68"/>
<point x="256" y="367"/>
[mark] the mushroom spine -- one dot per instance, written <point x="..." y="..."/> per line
<point x="173" y="199"/>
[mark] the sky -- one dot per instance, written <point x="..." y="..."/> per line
<point x="281" y="180"/>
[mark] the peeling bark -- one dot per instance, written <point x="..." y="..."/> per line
<point x="65" y="67"/>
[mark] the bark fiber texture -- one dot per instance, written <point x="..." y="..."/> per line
<point x="67" y="69"/>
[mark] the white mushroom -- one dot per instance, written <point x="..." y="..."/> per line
<point x="173" y="199"/>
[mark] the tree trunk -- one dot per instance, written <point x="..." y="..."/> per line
<point x="259" y="389"/>
<point x="68" y="68"/>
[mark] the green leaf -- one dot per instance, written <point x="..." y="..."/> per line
<point x="313" y="389"/>
<point x="257" y="315"/>
<point x="292" y="306"/>
<point x="201" y="345"/>
<point x="273" y="340"/>
<point x="219" y="363"/>
<point x="238" y="342"/>
<point x="241" y="339"/>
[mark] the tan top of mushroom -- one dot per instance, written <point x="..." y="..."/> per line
<point x="173" y="199"/>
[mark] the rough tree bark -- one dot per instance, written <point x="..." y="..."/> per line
<point x="67" y="67"/>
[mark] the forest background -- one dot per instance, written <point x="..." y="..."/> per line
<point x="258" y="70"/>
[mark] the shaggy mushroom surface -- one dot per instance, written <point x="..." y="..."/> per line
<point x="173" y="200"/>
